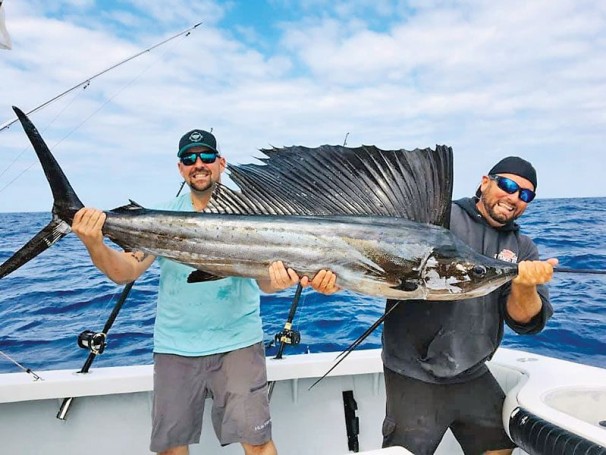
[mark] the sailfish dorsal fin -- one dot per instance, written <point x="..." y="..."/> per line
<point x="336" y="180"/>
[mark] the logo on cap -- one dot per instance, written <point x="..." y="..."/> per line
<point x="196" y="136"/>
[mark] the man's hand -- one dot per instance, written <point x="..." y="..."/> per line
<point x="280" y="278"/>
<point x="524" y="302"/>
<point x="324" y="282"/>
<point x="531" y="273"/>
<point x="87" y="225"/>
<point x="119" y="266"/>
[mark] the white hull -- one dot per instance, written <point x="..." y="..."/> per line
<point x="111" y="412"/>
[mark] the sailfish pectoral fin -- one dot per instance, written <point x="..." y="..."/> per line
<point x="408" y="285"/>
<point x="50" y="234"/>
<point x="200" y="276"/>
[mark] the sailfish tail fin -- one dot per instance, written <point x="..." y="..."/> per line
<point x="65" y="205"/>
<point x="50" y="234"/>
<point x="66" y="202"/>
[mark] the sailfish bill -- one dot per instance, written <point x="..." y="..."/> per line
<point x="377" y="218"/>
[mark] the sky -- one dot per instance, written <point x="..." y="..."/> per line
<point x="489" y="78"/>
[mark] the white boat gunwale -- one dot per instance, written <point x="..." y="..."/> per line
<point x="527" y="378"/>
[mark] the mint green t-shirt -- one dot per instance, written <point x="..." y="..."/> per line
<point x="195" y="319"/>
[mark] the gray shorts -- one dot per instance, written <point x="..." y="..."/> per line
<point x="237" y="383"/>
<point x="419" y="413"/>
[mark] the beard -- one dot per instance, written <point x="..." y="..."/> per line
<point x="500" y="216"/>
<point x="203" y="185"/>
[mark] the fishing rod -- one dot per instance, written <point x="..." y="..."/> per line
<point x="27" y="370"/>
<point x="345" y="140"/>
<point x="96" y="343"/>
<point x="356" y="343"/>
<point x="287" y="335"/>
<point x="86" y="82"/>
<point x="378" y="322"/>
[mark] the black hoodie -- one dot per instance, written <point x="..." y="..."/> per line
<point x="450" y="341"/>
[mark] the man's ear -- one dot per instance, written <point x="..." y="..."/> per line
<point x="484" y="183"/>
<point x="180" y="168"/>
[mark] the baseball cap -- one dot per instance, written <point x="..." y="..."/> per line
<point x="197" y="138"/>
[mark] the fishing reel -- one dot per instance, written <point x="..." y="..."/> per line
<point x="288" y="336"/>
<point x="94" y="342"/>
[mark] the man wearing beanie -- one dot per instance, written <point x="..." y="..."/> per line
<point x="435" y="353"/>
<point x="208" y="335"/>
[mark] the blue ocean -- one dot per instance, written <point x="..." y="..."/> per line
<point x="47" y="303"/>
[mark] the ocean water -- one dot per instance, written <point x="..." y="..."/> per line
<point x="46" y="303"/>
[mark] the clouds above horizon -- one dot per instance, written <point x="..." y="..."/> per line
<point x="487" y="78"/>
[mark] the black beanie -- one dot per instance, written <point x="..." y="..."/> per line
<point x="516" y="166"/>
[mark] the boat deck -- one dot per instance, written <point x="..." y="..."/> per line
<point x="112" y="406"/>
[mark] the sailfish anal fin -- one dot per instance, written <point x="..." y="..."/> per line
<point x="336" y="180"/>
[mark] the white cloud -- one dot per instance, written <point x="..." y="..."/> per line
<point x="488" y="78"/>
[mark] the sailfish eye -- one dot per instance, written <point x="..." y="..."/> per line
<point x="478" y="271"/>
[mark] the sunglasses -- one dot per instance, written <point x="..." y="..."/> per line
<point x="510" y="187"/>
<point x="205" y="157"/>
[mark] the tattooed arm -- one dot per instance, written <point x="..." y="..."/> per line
<point x="120" y="267"/>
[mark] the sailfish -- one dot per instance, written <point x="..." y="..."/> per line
<point x="377" y="218"/>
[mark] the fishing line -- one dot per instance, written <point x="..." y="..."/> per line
<point x="85" y="84"/>
<point x="27" y="370"/>
<point x="111" y="98"/>
<point x="184" y="33"/>
<point x="118" y="92"/>
<point x="25" y="149"/>
<point x="115" y="295"/>
<point x="580" y="271"/>
<point x="10" y="165"/>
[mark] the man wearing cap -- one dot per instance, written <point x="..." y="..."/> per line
<point x="207" y="336"/>
<point x="435" y="353"/>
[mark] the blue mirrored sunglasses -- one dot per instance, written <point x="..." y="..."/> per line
<point x="205" y="157"/>
<point x="510" y="187"/>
